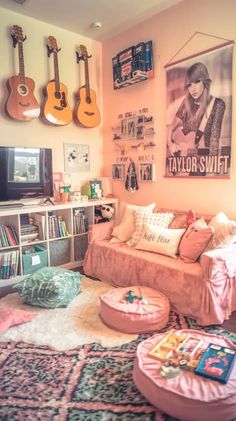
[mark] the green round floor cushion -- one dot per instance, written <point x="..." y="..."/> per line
<point x="50" y="287"/>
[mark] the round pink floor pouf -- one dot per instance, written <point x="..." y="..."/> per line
<point x="135" y="309"/>
<point x="188" y="396"/>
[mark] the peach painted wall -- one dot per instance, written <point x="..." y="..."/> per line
<point x="169" y="32"/>
<point x="40" y="69"/>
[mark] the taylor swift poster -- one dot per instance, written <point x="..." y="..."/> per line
<point x="199" y="108"/>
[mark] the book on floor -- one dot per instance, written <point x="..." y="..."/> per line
<point x="216" y="363"/>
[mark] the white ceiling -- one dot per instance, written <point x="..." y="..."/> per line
<point x="77" y="16"/>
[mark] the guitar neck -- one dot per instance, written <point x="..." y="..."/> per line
<point x="56" y="72"/>
<point x="87" y="78"/>
<point x="21" y="62"/>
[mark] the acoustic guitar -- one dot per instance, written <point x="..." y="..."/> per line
<point x="56" y="109"/>
<point x="21" y="103"/>
<point x="86" y="111"/>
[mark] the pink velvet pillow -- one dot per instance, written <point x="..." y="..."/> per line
<point x="11" y="317"/>
<point x="195" y="241"/>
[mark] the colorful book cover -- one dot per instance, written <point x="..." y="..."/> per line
<point x="216" y="363"/>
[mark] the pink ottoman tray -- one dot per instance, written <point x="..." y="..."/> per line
<point x="135" y="309"/>
<point x="187" y="396"/>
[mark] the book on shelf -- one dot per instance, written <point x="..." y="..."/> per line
<point x="80" y="221"/>
<point x="9" y="262"/>
<point x="8" y="236"/>
<point x="216" y="363"/>
<point x="40" y="222"/>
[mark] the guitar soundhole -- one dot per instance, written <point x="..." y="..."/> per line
<point x="58" y="95"/>
<point x="22" y="90"/>
<point x="88" y="100"/>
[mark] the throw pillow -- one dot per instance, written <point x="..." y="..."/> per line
<point x="162" y="219"/>
<point x="11" y="317"/>
<point x="224" y="236"/>
<point x="195" y="240"/>
<point x="127" y="226"/>
<point x="183" y="220"/>
<point x="160" y="240"/>
<point x="218" y="221"/>
<point x="50" y="287"/>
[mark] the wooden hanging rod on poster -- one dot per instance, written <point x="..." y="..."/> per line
<point x="228" y="42"/>
<point x="201" y="52"/>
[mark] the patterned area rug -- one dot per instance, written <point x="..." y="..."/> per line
<point x="89" y="383"/>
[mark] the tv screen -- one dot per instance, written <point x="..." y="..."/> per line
<point x="25" y="173"/>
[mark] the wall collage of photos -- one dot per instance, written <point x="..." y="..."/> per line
<point x="134" y="139"/>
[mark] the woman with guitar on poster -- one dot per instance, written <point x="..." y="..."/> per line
<point x="196" y="127"/>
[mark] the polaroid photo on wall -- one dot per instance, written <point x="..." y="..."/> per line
<point x="118" y="171"/>
<point x="147" y="172"/>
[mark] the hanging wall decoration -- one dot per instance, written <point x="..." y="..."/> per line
<point x="199" y="108"/>
<point x="132" y="65"/>
<point x="76" y="157"/>
<point x="131" y="182"/>
<point x="118" y="171"/>
<point x="147" y="172"/>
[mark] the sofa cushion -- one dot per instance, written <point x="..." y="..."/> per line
<point x="127" y="225"/>
<point x="183" y="220"/>
<point x="195" y="240"/>
<point x="50" y="287"/>
<point x="11" y="317"/>
<point x="224" y="236"/>
<point x="160" y="218"/>
<point x="160" y="240"/>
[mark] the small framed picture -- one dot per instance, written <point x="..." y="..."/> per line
<point x="147" y="172"/>
<point x="76" y="157"/>
<point x="118" y="171"/>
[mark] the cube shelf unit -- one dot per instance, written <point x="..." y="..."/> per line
<point x="59" y="242"/>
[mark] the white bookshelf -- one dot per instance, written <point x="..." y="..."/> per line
<point x="62" y="247"/>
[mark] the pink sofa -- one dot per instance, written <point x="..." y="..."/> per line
<point x="203" y="291"/>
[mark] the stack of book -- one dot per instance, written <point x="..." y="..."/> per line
<point x="28" y="230"/>
<point x="39" y="219"/>
<point x="57" y="226"/>
<point x="9" y="262"/>
<point x="8" y="236"/>
<point x="80" y="221"/>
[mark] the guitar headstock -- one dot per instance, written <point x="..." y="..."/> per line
<point x="17" y="34"/>
<point x="83" y="52"/>
<point x="52" y="44"/>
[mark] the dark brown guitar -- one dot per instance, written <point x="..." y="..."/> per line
<point x="21" y="104"/>
<point x="56" y="109"/>
<point x="86" y="110"/>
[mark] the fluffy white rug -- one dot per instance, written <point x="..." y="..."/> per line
<point x="66" y="328"/>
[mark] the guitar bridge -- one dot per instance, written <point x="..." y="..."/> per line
<point x="88" y="113"/>
<point x="58" y="108"/>
<point x="24" y="104"/>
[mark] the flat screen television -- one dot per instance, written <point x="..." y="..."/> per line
<point x="25" y="173"/>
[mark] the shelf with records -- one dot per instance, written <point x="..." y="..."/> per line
<point x="35" y="236"/>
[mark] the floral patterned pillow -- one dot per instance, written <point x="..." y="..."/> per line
<point x="50" y="287"/>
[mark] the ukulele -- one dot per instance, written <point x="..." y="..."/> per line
<point x="86" y="110"/>
<point x="56" y="109"/>
<point x="21" y="104"/>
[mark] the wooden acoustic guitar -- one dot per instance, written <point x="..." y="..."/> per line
<point x="86" y="111"/>
<point x="21" y="103"/>
<point x="56" y="109"/>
